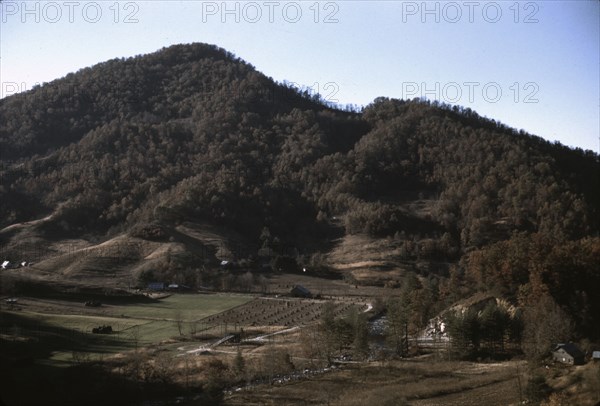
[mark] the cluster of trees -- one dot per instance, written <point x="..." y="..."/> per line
<point x="530" y="267"/>
<point x="488" y="331"/>
<point x="336" y="336"/>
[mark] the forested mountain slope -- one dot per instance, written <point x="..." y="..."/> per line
<point x="191" y="132"/>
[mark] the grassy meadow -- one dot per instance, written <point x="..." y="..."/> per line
<point x="28" y="332"/>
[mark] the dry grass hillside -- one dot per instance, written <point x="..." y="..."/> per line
<point x="117" y="261"/>
<point x="367" y="259"/>
<point x="376" y="261"/>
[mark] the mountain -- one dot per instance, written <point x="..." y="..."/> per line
<point x="189" y="155"/>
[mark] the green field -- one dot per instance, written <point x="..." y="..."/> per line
<point x="184" y="307"/>
<point x="55" y="337"/>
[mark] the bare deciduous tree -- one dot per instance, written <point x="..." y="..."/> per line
<point x="239" y="365"/>
<point x="135" y="336"/>
<point x="546" y="324"/>
<point x="178" y="317"/>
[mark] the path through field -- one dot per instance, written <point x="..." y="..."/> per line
<point x="264" y="337"/>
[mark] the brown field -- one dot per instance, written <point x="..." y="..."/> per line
<point x="418" y="382"/>
<point x="279" y="312"/>
<point x="335" y="288"/>
<point x="375" y="261"/>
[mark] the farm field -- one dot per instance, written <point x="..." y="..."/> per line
<point x="67" y="326"/>
<point x="57" y="328"/>
<point x="280" y="312"/>
<point x="415" y="382"/>
<point x="188" y="307"/>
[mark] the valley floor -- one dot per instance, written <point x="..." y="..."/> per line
<point x="180" y="338"/>
<point x="420" y="382"/>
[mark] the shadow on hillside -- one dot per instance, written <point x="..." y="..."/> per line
<point x="22" y="285"/>
<point x="31" y="376"/>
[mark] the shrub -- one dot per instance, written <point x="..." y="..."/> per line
<point x="536" y="389"/>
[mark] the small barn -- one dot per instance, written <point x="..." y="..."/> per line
<point x="568" y="353"/>
<point x="301" y="291"/>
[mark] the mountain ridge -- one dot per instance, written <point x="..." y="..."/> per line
<point x="193" y="134"/>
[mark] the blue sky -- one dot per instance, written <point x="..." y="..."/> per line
<point x="533" y="65"/>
